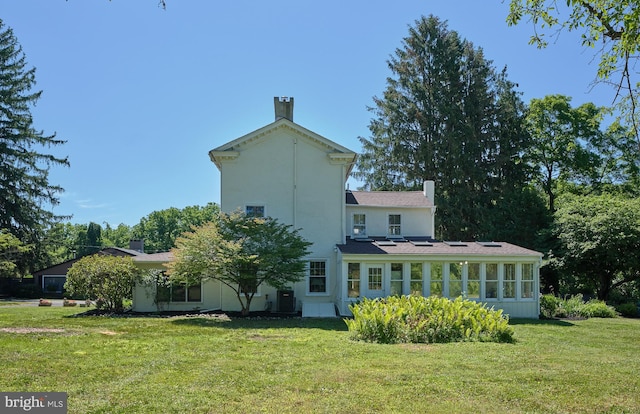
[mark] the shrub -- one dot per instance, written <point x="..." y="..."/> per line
<point x="416" y="319"/>
<point x="548" y="305"/>
<point x="574" y="307"/>
<point x="629" y="309"/>
<point x="596" y="309"/>
<point x="107" y="279"/>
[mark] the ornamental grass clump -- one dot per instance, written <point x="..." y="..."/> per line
<point x="416" y="319"/>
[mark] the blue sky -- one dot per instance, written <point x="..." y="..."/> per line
<point x="142" y="94"/>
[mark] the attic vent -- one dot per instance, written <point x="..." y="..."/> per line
<point x="283" y="107"/>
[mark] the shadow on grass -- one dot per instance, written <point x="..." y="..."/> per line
<point x="554" y="322"/>
<point x="329" y="324"/>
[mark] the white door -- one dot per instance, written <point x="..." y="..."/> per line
<point x="373" y="283"/>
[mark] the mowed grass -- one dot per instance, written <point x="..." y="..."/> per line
<point x="205" y="365"/>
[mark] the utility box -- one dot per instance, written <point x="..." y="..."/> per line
<point x="286" y="301"/>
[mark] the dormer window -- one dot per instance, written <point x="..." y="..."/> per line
<point x="394" y="225"/>
<point x="359" y="225"/>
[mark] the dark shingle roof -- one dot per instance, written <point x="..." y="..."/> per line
<point x="388" y="199"/>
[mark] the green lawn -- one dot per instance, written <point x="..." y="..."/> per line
<point x="204" y="365"/>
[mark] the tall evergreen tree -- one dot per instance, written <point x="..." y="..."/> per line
<point x="447" y="115"/>
<point x="25" y="191"/>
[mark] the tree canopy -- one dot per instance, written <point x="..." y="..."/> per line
<point x="10" y="250"/>
<point x="610" y="26"/>
<point x="26" y="194"/>
<point x="600" y="238"/>
<point x="448" y="115"/>
<point x="241" y="252"/>
<point x="161" y="228"/>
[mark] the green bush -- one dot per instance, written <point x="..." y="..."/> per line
<point x="574" y="307"/>
<point x="416" y="319"/>
<point x="549" y="305"/>
<point x="629" y="309"/>
<point x="597" y="309"/>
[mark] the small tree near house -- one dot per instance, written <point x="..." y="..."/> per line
<point x="106" y="279"/>
<point x="241" y="252"/>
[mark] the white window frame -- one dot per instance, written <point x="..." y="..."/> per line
<point x="362" y="226"/>
<point x="467" y="280"/>
<point x="484" y="282"/>
<point x="513" y="282"/>
<point x="393" y="280"/>
<point x="397" y="226"/>
<point x="352" y="280"/>
<point x="522" y="281"/>
<point x="326" y="277"/>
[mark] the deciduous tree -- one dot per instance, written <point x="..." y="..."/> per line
<point x="612" y="27"/>
<point x="559" y="136"/>
<point x="161" y="228"/>
<point x="600" y="237"/>
<point x="242" y="253"/>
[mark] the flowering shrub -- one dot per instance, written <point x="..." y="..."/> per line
<point x="416" y="319"/>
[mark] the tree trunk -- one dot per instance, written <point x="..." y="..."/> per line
<point x="604" y="287"/>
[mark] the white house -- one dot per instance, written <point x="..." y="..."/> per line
<point x="365" y="244"/>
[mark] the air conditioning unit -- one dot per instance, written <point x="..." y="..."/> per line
<point x="286" y="301"/>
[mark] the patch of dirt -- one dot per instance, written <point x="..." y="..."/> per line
<point x="257" y="315"/>
<point x="31" y="330"/>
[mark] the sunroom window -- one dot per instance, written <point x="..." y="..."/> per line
<point x="435" y="286"/>
<point x="396" y="279"/>
<point x="509" y="282"/>
<point x="353" y="280"/>
<point x="455" y="280"/>
<point x="526" y="289"/>
<point x="473" y="280"/>
<point x="491" y="281"/>
<point x="416" y="279"/>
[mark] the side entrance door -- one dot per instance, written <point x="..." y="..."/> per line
<point x="373" y="283"/>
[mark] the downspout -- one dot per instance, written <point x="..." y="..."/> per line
<point x="295" y="182"/>
<point x="343" y="205"/>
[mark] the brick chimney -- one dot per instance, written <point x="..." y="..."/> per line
<point x="284" y="107"/>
